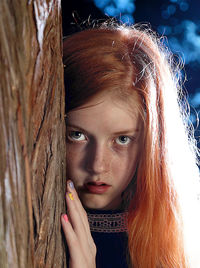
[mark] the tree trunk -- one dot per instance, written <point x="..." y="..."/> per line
<point x="32" y="134"/>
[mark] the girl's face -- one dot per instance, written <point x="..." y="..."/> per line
<point x="103" y="145"/>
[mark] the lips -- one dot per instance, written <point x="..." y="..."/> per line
<point x="97" y="187"/>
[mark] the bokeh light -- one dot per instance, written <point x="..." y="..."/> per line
<point x="120" y="9"/>
<point x="184" y="40"/>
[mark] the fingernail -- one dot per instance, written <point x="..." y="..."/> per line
<point x="65" y="218"/>
<point x="71" y="196"/>
<point x="71" y="185"/>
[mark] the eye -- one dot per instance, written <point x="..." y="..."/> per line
<point x="123" y="140"/>
<point x="76" y="135"/>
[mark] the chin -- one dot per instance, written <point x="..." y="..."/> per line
<point x="95" y="206"/>
<point x="100" y="205"/>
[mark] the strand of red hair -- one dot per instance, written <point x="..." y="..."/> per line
<point x="127" y="59"/>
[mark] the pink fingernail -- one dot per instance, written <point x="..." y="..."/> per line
<point x="65" y="218"/>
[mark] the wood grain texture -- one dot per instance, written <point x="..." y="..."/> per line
<point x="32" y="134"/>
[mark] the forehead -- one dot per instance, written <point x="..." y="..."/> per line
<point x="107" y="111"/>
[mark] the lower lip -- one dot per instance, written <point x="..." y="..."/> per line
<point x="97" y="189"/>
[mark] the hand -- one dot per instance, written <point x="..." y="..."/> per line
<point x="76" y="228"/>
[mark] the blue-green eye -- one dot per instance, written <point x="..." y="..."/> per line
<point x="123" y="140"/>
<point x="76" y="135"/>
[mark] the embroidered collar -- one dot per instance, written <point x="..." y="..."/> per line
<point x="108" y="222"/>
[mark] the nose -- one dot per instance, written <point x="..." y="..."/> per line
<point x="98" y="159"/>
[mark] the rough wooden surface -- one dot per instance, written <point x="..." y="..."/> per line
<point x="32" y="134"/>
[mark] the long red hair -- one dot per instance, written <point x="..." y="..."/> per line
<point x="131" y="59"/>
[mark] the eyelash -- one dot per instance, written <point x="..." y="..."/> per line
<point x="121" y="144"/>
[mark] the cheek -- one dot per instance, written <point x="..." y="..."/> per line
<point x="71" y="160"/>
<point x="123" y="170"/>
<point x="124" y="166"/>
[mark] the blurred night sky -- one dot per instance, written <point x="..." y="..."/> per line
<point x="179" y="20"/>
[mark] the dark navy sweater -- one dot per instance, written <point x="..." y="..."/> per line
<point x="111" y="246"/>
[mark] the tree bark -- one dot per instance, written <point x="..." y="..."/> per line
<point x="32" y="134"/>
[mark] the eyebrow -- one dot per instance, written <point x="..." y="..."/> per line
<point x="126" y="131"/>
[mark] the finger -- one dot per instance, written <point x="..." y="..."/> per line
<point x="75" y="218"/>
<point x="70" y="235"/>
<point x="78" y="216"/>
<point x="77" y="256"/>
<point x="81" y="210"/>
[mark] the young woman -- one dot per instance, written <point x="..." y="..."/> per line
<point x="131" y="158"/>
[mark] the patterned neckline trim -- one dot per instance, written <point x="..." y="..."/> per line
<point x="108" y="222"/>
